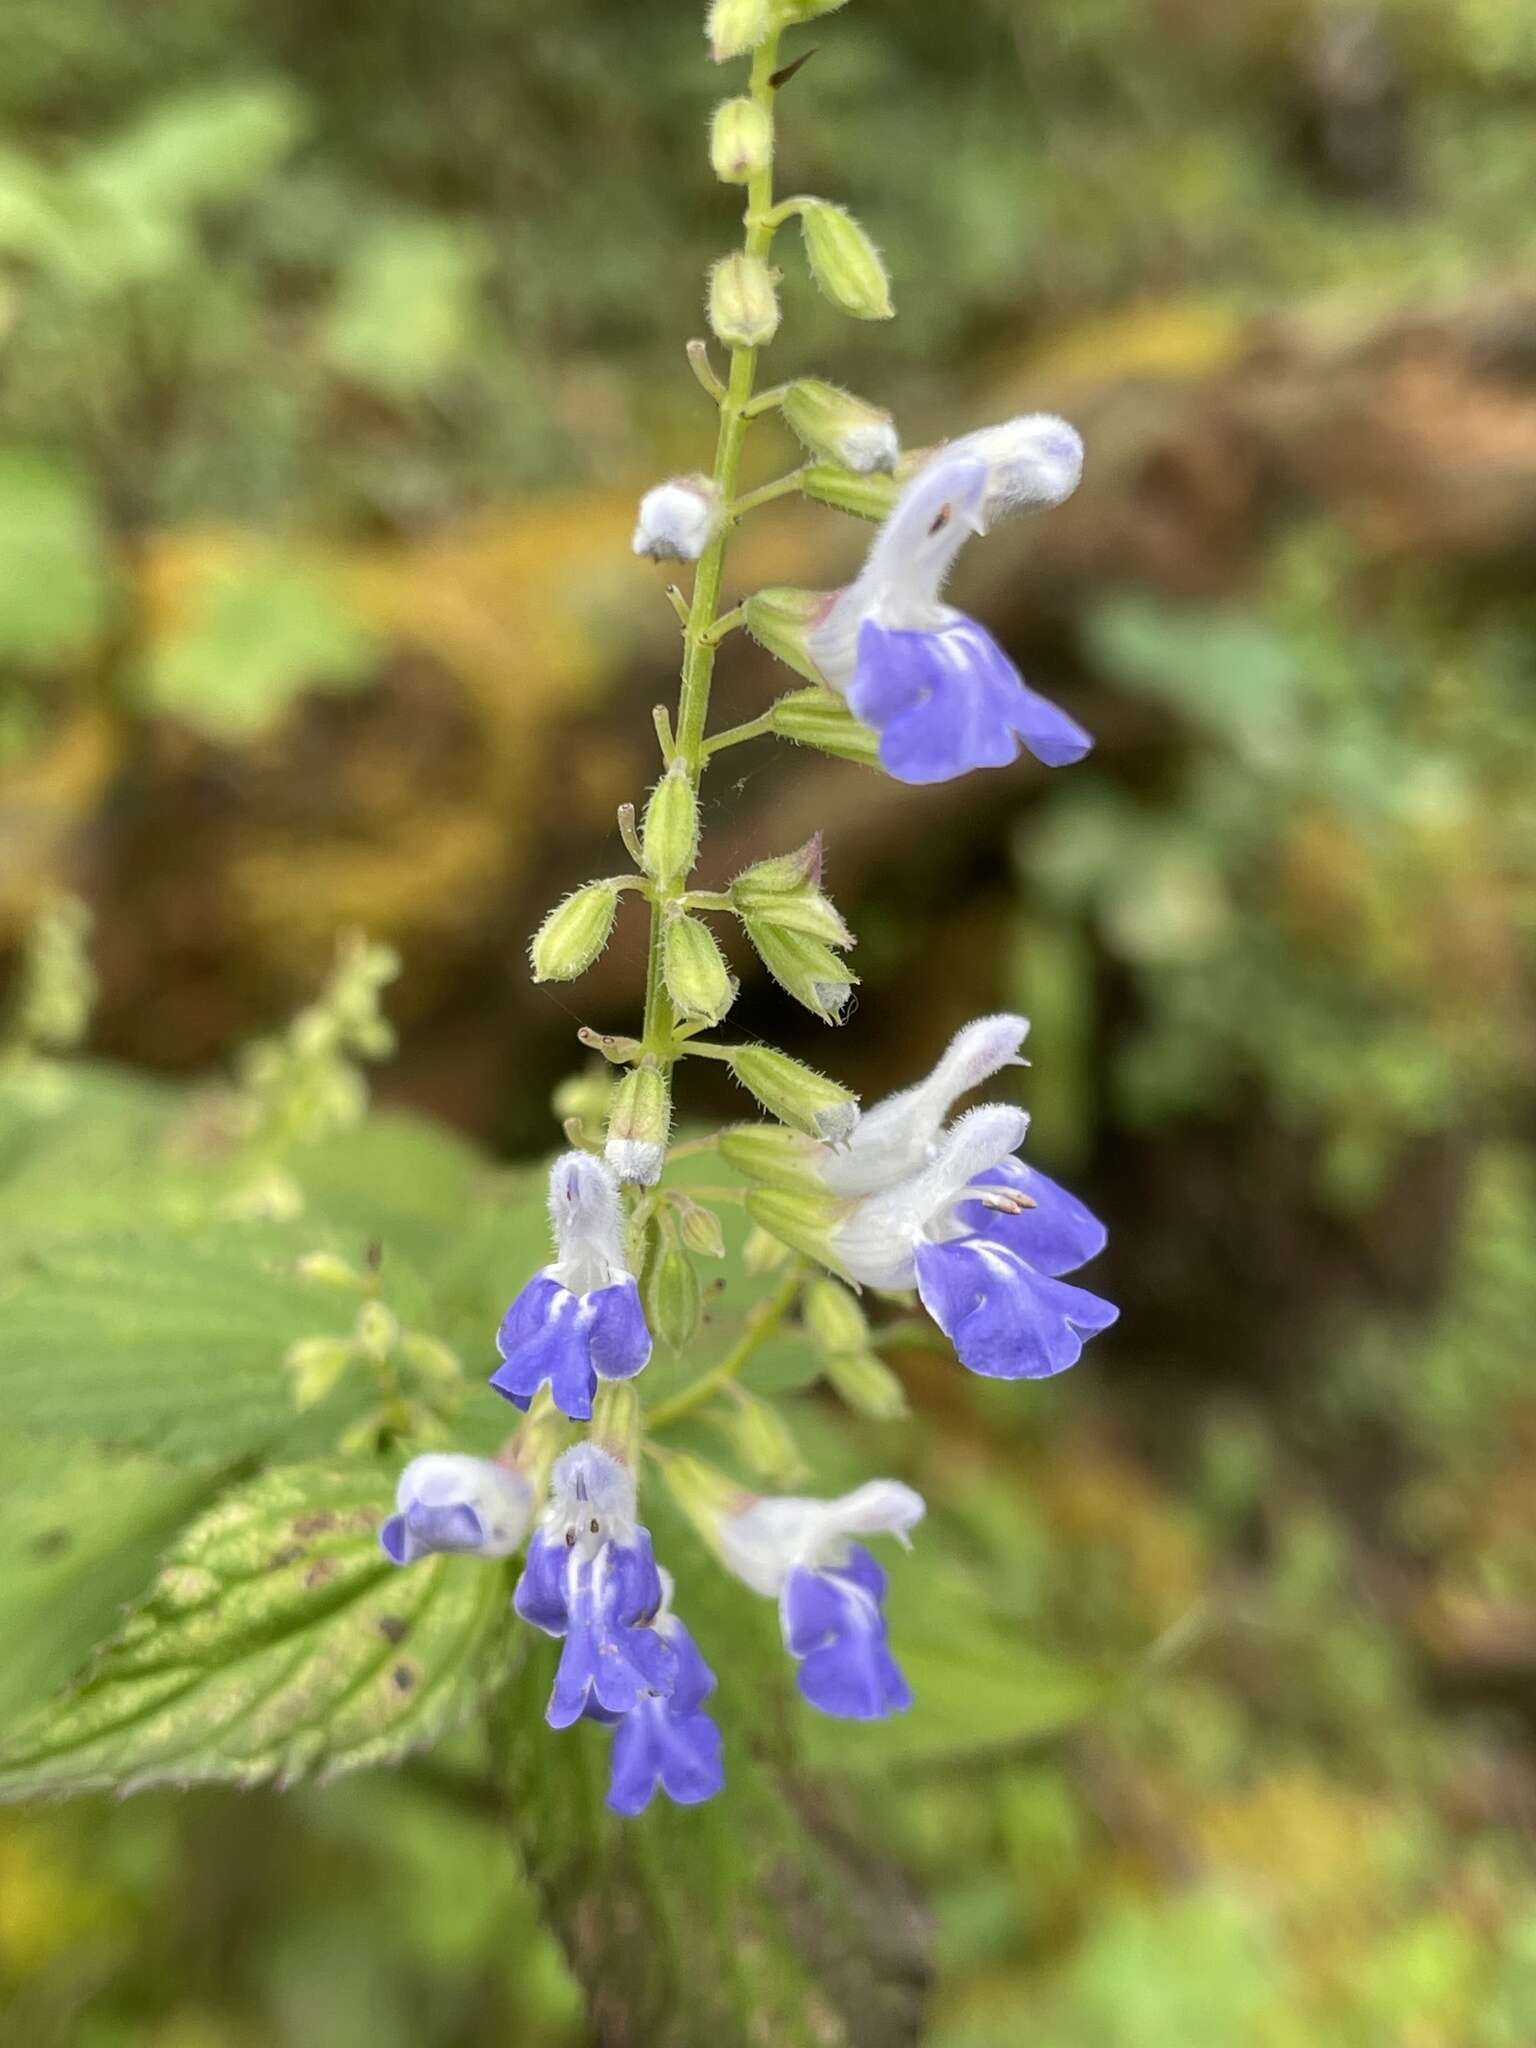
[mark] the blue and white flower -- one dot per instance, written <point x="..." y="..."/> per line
<point x="449" y="1502"/>
<point x="830" y="1590"/>
<point x="591" y="1580"/>
<point x="896" y="1138"/>
<point x="935" y="685"/>
<point x="984" y="1239"/>
<point x="667" y="1741"/>
<point x="579" y="1319"/>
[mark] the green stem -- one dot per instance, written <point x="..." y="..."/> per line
<point x="698" y="646"/>
<point x="766" y="493"/>
<point x="749" y="729"/>
<point x="762" y="1323"/>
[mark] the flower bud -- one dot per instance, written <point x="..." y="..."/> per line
<point x="736" y="26"/>
<point x="672" y="1297"/>
<point x="743" y="304"/>
<point x="763" y="1440"/>
<point x="784" y="875"/>
<point x="326" y="1269"/>
<point x="699" y="1228"/>
<point x="782" y="620"/>
<point x="669" y="838"/>
<point x="376" y="1332"/>
<point x="867" y="1385"/>
<point x="787" y="893"/>
<point x="833" y="1319"/>
<point x="844" y="261"/>
<point x="797" y="1095"/>
<point x="801" y="1219"/>
<point x="740" y="141"/>
<point x="770" y="1154"/>
<point x="317" y="1363"/>
<point x="840" y="427"/>
<point x="804" y="967"/>
<point x="637" y="1127"/>
<point x="574" y="933"/>
<point x="815" y="718"/>
<point x="694" y="970"/>
<point x="678" y="519"/>
<point x="845" y="490"/>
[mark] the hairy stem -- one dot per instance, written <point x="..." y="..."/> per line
<point x="698" y="644"/>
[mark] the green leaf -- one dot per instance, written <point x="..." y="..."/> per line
<point x="171" y="1343"/>
<point x="276" y="1643"/>
<point x="91" y="1159"/>
<point x="81" y="1535"/>
<point x="260" y="632"/>
<point x="55" y="573"/>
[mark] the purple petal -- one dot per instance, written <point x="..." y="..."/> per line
<point x="950" y="700"/>
<point x="619" y="1342"/>
<point x="541" y="1596"/>
<point x="833" y="1622"/>
<point x="1006" y="1321"/>
<point x="694" y="1681"/>
<point x="545" y="1336"/>
<point x="394" y="1541"/>
<point x="611" y="1655"/>
<point x="1057" y="1236"/>
<point x="656" y="1745"/>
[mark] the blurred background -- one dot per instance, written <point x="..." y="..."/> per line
<point x="335" y="347"/>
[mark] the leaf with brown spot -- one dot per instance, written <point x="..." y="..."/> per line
<point x="239" y="1670"/>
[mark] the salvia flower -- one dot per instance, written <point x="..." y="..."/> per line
<point x="591" y="1579"/>
<point x="942" y="695"/>
<point x="678" y="519"/>
<point x="984" y="1239"/>
<point x="830" y="1590"/>
<point x="579" y="1319"/>
<point x="667" y="1740"/>
<point x="449" y="1502"/>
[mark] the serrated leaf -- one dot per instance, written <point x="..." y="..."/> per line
<point x="276" y="1643"/>
<point x="172" y="1343"/>
<point x="82" y="1532"/>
